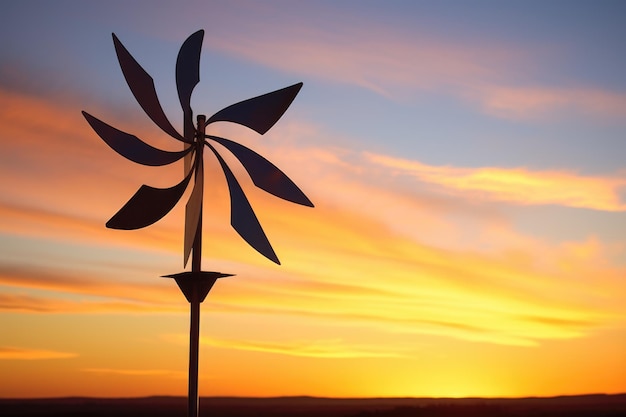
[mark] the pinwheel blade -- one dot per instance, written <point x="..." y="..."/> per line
<point x="130" y="146"/>
<point x="192" y="212"/>
<point x="147" y="206"/>
<point x="259" y="113"/>
<point x="264" y="174"/>
<point x="188" y="160"/>
<point x="242" y="217"/>
<point x="188" y="76"/>
<point x="142" y="86"/>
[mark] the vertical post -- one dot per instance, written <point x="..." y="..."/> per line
<point x="194" y="342"/>
<point x="194" y="305"/>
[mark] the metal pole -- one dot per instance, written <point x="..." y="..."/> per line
<point x="194" y="304"/>
<point x="194" y="341"/>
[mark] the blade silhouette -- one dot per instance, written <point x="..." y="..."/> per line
<point x="147" y="206"/>
<point x="193" y="209"/>
<point x="242" y="217"/>
<point x="142" y="86"/>
<point x="188" y="160"/>
<point x="130" y="146"/>
<point x="264" y="174"/>
<point x="188" y="76"/>
<point x="259" y="113"/>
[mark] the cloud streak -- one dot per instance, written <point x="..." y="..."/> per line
<point x="137" y="372"/>
<point x="516" y="185"/>
<point x="399" y="251"/>
<point x="99" y="293"/>
<point x="542" y="102"/>
<point x="324" y="349"/>
<point x="372" y="56"/>
<point x="25" y="354"/>
<point x="494" y="75"/>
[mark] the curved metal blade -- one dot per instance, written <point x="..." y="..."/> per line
<point x="242" y="217"/>
<point x="188" y="161"/>
<point x="264" y="174"/>
<point x="188" y="76"/>
<point x="193" y="210"/>
<point x="142" y="86"/>
<point x="130" y="146"/>
<point x="147" y="206"/>
<point x="259" y="113"/>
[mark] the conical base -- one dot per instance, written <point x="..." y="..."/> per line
<point x="196" y="282"/>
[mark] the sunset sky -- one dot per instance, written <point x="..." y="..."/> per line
<point x="467" y="162"/>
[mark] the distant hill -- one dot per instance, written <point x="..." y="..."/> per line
<point x="598" y="405"/>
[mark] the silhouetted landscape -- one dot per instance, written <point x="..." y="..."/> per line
<point x="578" y="406"/>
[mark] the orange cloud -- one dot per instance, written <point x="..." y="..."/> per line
<point x="53" y="304"/>
<point x="118" y="294"/>
<point x="137" y="372"/>
<point x="539" y="102"/>
<point x="415" y="288"/>
<point x="15" y="353"/>
<point x="520" y="185"/>
<point x="59" y="146"/>
<point x="399" y="251"/>
<point x="376" y="58"/>
<point x="394" y="64"/>
<point x="326" y="348"/>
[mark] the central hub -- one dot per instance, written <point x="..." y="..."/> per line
<point x="201" y="126"/>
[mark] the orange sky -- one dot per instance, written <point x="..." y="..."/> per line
<point x="472" y="276"/>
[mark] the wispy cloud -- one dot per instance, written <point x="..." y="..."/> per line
<point x="540" y="102"/>
<point x="18" y="353"/>
<point x="401" y="251"/>
<point x="519" y="186"/>
<point x="397" y="63"/>
<point x="327" y="348"/>
<point x="55" y="304"/>
<point x="82" y="163"/>
<point x="99" y="294"/>
<point x="137" y="372"/>
<point x="373" y="56"/>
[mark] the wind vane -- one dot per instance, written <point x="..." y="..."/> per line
<point x="150" y="204"/>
